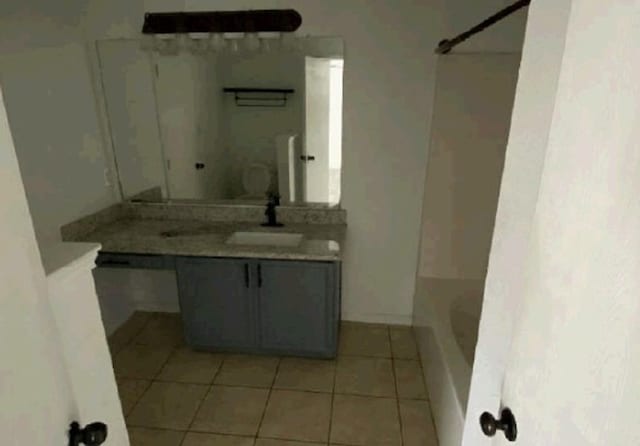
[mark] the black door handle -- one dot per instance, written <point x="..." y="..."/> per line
<point x="93" y="434"/>
<point x="246" y="275"/>
<point x="506" y="424"/>
<point x="307" y="157"/>
<point x="259" y="276"/>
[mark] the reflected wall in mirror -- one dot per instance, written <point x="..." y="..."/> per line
<point x="233" y="120"/>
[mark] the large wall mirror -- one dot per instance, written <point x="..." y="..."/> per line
<point x="231" y="120"/>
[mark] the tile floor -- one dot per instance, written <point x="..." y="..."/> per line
<point x="372" y="394"/>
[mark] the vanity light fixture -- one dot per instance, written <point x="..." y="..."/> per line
<point x="249" y="21"/>
<point x="166" y="44"/>
<point x="198" y="43"/>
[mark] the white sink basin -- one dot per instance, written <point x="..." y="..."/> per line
<point x="265" y="239"/>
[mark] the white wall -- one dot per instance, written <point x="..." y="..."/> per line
<point x="388" y="92"/>
<point x="52" y="113"/>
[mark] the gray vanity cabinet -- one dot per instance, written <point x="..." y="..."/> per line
<point x="298" y="307"/>
<point x="217" y="304"/>
<point x="267" y="306"/>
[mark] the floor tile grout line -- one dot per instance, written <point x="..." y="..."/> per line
<point x="206" y="394"/>
<point x="333" y="398"/>
<point x="289" y="440"/>
<point x="133" y="336"/>
<point x="151" y="382"/>
<point x="130" y="411"/>
<point x="424" y="382"/>
<point x="395" y="383"/>
<point x="266" y="404"/>
<point x="420" y="364"/>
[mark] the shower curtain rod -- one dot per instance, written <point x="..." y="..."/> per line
<point x="447" y="45"/>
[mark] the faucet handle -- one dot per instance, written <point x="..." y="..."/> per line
<point x="274" y="199"/>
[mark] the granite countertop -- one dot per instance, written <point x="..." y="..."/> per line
<point x="207" y="239"/>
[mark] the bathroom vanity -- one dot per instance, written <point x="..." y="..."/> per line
<point x="251" y="125"/>
<point x="241" y="287"/>
<point x="251" y="305"/>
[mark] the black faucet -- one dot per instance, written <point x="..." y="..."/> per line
<point x="270" y="212"/>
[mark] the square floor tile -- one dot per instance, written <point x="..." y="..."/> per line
<point x="417" y="424"/>
<point x="115" y="347"/>
<point x="140" y="436"/>
<point x="364" y="340"/>
<point x="306" y="374"/>
<point x="252" y="371"/>
<point x="409" y="379"/>
<point x="130" y="391"/>
<point x="231" y="410"/>
<point x="365" y="421"/>
<point x="168" y="406"/>
<point x="403" y="343"/>
<point x="293" y="415"/>
<point x="365" y="376"/>
<point x="200" y="439"/>
<point x="140" y="361"/>
<point x="188" y="366"/>
<point x="163" y="329"/>
<point x="127" y="331"/>
<point x="272" y="442"/>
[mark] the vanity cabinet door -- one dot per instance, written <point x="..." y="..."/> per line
<point x="217" y="303"/>
<point x="298" y="307"/>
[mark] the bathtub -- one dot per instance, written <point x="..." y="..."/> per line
<point x="446" y="318"/>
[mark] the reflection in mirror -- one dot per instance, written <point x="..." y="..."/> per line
<point x="226" y="120"/>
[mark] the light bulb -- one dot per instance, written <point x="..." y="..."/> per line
<point x="198" y="43"/>
<point x="234" y="46"/>
<point x="266" y="45"/>
<point x="216" y="42"/>
<point x="183" y="42"/>
<point x="251" y="42"/>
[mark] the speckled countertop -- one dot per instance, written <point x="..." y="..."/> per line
<point x="207" y="239"/>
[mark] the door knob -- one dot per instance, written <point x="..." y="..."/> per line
<point x="93" y="434"/>
<point x="506" y="424"/>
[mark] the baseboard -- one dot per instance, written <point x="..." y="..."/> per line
<point x="378" y="318"/>
<point x="157" y="307"/>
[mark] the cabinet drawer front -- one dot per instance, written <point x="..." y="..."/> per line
<point x="297" y="307"/>
<point x="138" y="261"/>
<point x="218" y="308"/>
